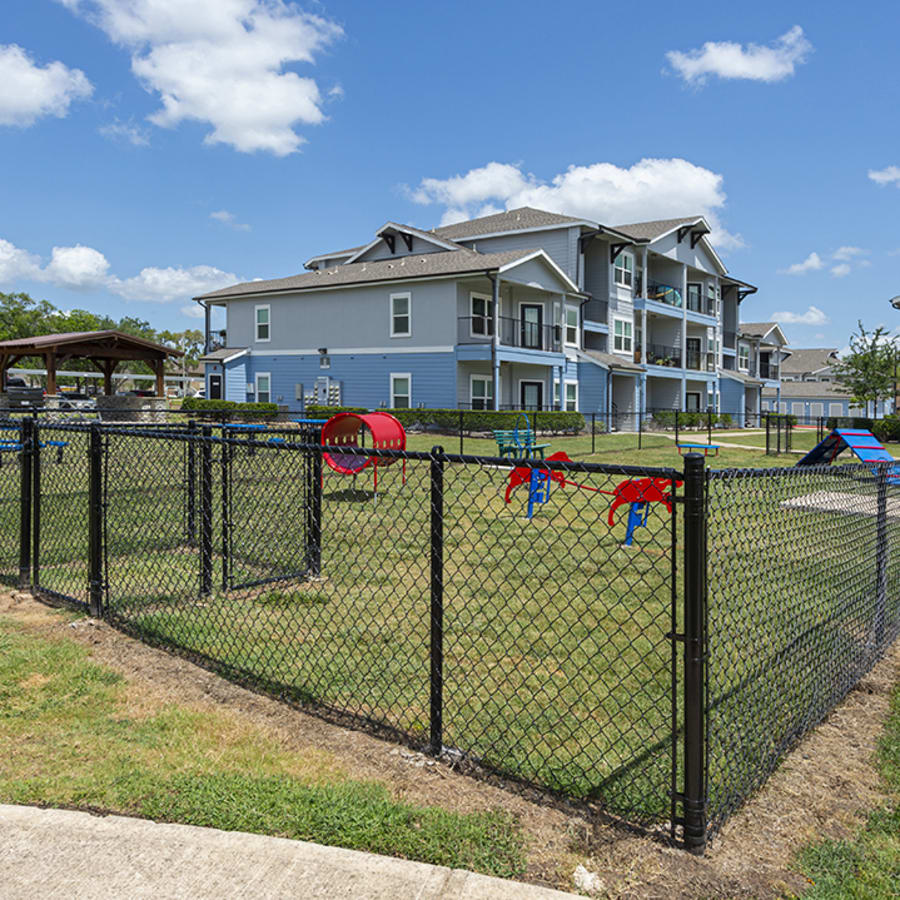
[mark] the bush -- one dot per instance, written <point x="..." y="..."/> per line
<point x="447" y="420"/>
<point x="887" y="429"/>
<point x="200" y="406"/>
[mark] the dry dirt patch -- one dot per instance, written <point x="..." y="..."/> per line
<point x="823" y="789"/>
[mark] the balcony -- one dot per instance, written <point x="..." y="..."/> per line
<point x="767" y="371"/>
<point x="661" y="355"/>
<point x="513" y="333"/>
<point x="664" y="293"/>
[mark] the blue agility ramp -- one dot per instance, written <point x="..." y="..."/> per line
<point x="863" y="444"/>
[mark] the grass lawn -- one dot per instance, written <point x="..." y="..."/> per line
<point x="867" y="866"/>
<point x="73" y="733"/>
<point x="557" y="664"/>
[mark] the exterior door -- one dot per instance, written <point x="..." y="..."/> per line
<point x="531" y="394"/>
<point x="692" y="401"/>
<point x="215" y="387"/>
<point x="532" y="320"/>
<point x="693" y="353"/>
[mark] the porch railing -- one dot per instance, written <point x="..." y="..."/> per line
<point x="513" y="333"/>
<point x="661" y="355"/>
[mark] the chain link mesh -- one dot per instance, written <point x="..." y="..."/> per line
<point x="10" y="496"/>
<point x="803" y="597"/>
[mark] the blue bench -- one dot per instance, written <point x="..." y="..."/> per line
<point x="696" y="448"/>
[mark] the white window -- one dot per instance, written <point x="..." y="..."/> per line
<point x="710" y="300"/>
<point x="743" y="357"/>
<point x="481" y="323"/>
<point x="401" y="390"/>
<point x="571" y="396"/>
<point x="624" y="269"/>
<point x="835" y="409"/>
<point x="622" y="335"/>
<point x="263" y="387"/>
<point x="481" y="391"/>
<point x="572" y="326"/>
<point x="263" y="325"/>
<point x="401" y="315"/>
<point x="693" y="296"/>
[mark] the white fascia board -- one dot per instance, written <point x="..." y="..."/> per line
<point x="354" y="351"/>
<point x="540" y="254"/>
<point x="362" y="250"/>
<point x="322" y="256"/>
<point x="417" y="232"/>
<point x="493" y="234"/>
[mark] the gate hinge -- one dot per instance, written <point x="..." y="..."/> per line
<point x="675" y="636"/>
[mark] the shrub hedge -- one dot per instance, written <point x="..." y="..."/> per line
<point x="201" y="405"/>
<point x="665" y="418"/>
<point x="447" y="420"/>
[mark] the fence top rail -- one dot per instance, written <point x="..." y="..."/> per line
<point x="847" y="470"/>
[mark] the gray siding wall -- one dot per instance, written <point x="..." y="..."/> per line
<point x="382" y="251"/>
<point x="351" y="318"/>
<point x="561" y="245"/>
<point x="596" y="269"/>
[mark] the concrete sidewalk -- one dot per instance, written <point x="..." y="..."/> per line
<point x="58" y="853"/>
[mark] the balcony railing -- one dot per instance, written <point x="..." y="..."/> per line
<point x="768" y="371"/>
<point x="664" y="293"/>
<point x="596" y="311"/>
<point x="661" y="355"/>
<point x="513" y="333"/>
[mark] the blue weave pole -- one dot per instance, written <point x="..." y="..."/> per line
<point x="637" y="517"/>
<point x="538" y="489"/>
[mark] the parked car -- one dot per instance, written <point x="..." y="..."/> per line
<point x="20" y="394"/>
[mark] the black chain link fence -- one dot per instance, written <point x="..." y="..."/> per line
<point x="543" y="620"/>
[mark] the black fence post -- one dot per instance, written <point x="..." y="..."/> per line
<point x="206" y="512"/>
<point x="227" y="454"/>
<point x="881" y="555"/>
<point x="191" y="483"/>
<point x="95" y="520"/>
<point x="768" y="435"/>
<point x="593" y="432"/>
<point x="709" y="426"/>
<point x="694" y="798"/>
<point x="25" y="439"/>
<point x="676" y="427"/>
<point x="460" y="432"/>
<point x="314" y="512"/>
<point x="35" y="503"/>
<point x="640" y="416"/>
<point x="437" y="601"/>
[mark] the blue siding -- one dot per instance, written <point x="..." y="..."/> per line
<point x="364" y="379"/>
<point x="592" y="391"/>
<point x="731" y="396"/>
<point x="236" y="380"/>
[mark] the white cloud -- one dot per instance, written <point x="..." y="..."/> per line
<point x="846" y="254"/>
<point x="753" y="62"/>
<point x="222" y="62"/>
<point x="650" y="189"/>
<point x="193" y="311"/>
<point x="84" y="268"/>
<point x="888" y="175"/>
<point x="229" y="219"/>
<point x="30" y="91"/>
<point x="125" y="131"/>
<point x="812" y="316"/>
<point x="841" y="270"/>
<point x="810" y="264"/>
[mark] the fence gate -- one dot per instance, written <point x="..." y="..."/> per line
<point x="15" y="474"/>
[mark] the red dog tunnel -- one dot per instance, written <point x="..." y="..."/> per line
<point x="344" y="430"/>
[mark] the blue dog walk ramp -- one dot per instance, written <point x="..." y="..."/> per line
<point x="863" y="444"/>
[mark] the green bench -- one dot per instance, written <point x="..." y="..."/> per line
<point x="518" y="444"/>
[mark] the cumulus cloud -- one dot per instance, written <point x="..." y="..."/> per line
<point x="841" y="270"/>
<point x="193" y="310"/>
<point x="810" y="264"/>
<point x="83" y="268"/>
<point x="229" y="219"/>
<point x="752" y="62"/>
<point x="30" y="91"/>
<point x="846" y="254"/>
<point x="127" y="132"/>
<point x="650" y="189"/>
<point x="812" y="316"/>
<point x="888" y="175"/>
<point x="223" y="63"/>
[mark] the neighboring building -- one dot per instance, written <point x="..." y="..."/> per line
<point x="809" y="364"/>
<point x="524" y="308"/>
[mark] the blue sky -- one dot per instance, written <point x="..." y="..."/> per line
<point x="165" y="147"/>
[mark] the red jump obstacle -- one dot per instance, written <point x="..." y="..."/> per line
<point x="344" y="429"/>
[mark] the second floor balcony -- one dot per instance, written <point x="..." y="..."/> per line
<point x="521" y="333"/>
<point x="661" y="355"/>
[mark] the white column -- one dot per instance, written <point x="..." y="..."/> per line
<point x="496" y="359"/>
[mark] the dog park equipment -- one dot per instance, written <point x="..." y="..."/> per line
<point x="345" y="430"/>
<point x="518" y="442"/>
<point x="863" y="444"/>
<point x="696" y="448"/>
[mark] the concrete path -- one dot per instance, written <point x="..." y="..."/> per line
<point x="51" y="853"/>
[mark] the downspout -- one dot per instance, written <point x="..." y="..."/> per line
<point x="206" y="320"/>
<point x="495" y="343"/>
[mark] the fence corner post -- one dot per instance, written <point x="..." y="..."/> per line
<point x="206" y="512"/>
<point x="313" y="511"/>
<point x="881" y="555"/>
<point x="26" y="439"/>
<point x="436" y="718"/>
<point x="95" y="521"/>
<point x="695" y="550"/>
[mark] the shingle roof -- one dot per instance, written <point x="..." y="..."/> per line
<point x="809" y="389"/>
<point x="808" y="359"/>
<point x="648" y="231"/>
<point x="613" y="361"/>
<point x="451" y="262"/>
<point x="511" y="220"/>
<point x="739" y="376"/>
<point x="756" y="329"/>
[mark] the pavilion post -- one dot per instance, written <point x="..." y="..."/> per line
<point x="50" y="364"/>
<point x="159" y="369"/>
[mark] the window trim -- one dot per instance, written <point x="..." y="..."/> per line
<point x="489" y="300"/>
<point x="746" y="367"/>
<point x="405" y="295"/>
<point x="489" y="394"/>
<point x="565" y="400"/>
<point x="630" y="324"/>
<point x="256" y="377"/>
<point x="408" y="377"/>
<point x="616" y="268"/>
<point x="577" y="326"/>
<point x="256" y="323"/>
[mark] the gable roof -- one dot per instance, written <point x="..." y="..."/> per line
<point x="611" y="360"/>
<point x="337" y="254"/>
<point x="808" y="359"/>
<point x="650" y="231"/>
<point x="427" y="265"/>
<point x="760" y="330"/>
<point x="814" y="389"/>
<point x="107" y="344"/>
<point x="396" y="228"/>
<point x="734" y="375"/>
<point x="521" y="219"/>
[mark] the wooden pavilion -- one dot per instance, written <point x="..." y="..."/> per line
<point x="106" y="349"/>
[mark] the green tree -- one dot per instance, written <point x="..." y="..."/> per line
<point x="867" y="372"/>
